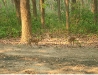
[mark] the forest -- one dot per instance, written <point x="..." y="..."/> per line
<point x="59" y="36"/>
<point x="55" y="18"/>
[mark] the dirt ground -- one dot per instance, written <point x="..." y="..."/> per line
<point x="48" y="58"/>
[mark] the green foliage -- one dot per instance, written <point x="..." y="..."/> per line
<point x="9" y="26"/>
<point x="80" y="21"/>
<point x="52" y="22"/>
<point x="85" y="23"/>
<point x="36" y="26"/>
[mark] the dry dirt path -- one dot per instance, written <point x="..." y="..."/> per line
<point x="19" y="59"/>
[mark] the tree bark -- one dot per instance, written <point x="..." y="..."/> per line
<point x="59" y="11"/>
<point x="12" y="1"/>
<point x="67" y="14"/>
<point x="42" y="9"/>
<point x="26" y="22"/>
<point x="34" y="8"/>
<point x="94" y="10"/>
<point x="4" y="2"/>
<point x="17" y="5"/>
<point x="73" y="5"/>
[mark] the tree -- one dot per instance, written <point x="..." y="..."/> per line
<point x="73" y="5"/>
<point x="67" y="14"/>
<point x="4" y="2"/>
<point x="95" y="11"/>
<point x="26" y="22"/>
<point x="34" y="8"/>
<point x="59" y="11"/>
<point x="82" y="3"/>
<point x="42" y="9"/>
<point x="17" y="5"/>
<point x="75" y="11"/>
<point x="12" y="1"/>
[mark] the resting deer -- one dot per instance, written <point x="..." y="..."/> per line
<point x="34" y="40"/>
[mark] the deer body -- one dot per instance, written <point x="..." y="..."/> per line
<point x="71" y="40"/>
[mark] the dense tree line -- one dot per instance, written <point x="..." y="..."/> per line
<point x="72" y="10"/>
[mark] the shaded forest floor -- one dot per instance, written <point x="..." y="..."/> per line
<point x="54" y="56"/>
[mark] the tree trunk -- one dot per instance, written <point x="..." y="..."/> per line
<point x="12" y="1"/>
<point x="75" y="15"/>
<point x="67" y="14"/>
<point x="26" y="22"/>
<point x="82" y="3"/>
<point x="95" y="12"/>
<point x="34" y="8"/>
<point x="42" y="8"/>
<point x="59" y="11"/>
<point x="17" y="5"/>
<point x="4" y="2"/>
<point x="73" y="5"/>
<point x="73" y="8"/>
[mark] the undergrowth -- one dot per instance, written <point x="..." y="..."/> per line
<point x="10" y="27"/>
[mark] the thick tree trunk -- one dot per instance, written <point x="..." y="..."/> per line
<point x="17" y="5"/>
<point x="34" y="8"/>
<point x="26" y="22"/>
<point x="42" y="8"/>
